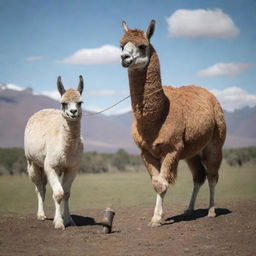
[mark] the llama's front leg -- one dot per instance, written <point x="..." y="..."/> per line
<point x="157" y="219"/>
<point x="153" y="166"/>
<point x="58" y="195"/>
<point x="167" y="174"/>
<point x="68" y="178"/>
<point x="161" y="182"/>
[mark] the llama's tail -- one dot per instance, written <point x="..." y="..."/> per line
<point x="220" y="129"/>
<point x="197" y="168"/>
<point x="201" y="175"/>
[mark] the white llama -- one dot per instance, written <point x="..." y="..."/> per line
<point x="53" y="148"/>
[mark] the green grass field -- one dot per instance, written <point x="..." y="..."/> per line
<point x="17" y="193"/>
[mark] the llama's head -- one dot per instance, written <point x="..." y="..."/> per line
<point x="71" y="100"/>
<point x="135" y="46"/>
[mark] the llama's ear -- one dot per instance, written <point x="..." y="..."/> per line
<point x="80" y="85"/>
<point x="124" y="25"/>
<point x="150" y="29"/>
<point x="60" y="86"/>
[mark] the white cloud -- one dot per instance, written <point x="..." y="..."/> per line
<point x="234" y="98"/>
<point x="228" y="69"/>
<point x="34" y="58"/>
<point x="106" y="54"/>
<point x="201" y="23"/>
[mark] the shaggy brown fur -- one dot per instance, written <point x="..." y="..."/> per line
<point x="135" y="36"/>
<point x="174" y="123"/>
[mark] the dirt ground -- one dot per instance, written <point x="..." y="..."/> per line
<point x="232" y="232"/>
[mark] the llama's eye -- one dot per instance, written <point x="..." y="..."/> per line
<point x="142" y="46"/>
<point x="64" y="104"/>
<point x="122" y="47"/>
<point x="79" y="103"/>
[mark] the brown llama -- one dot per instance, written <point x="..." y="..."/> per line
<point x="171" y="123"/>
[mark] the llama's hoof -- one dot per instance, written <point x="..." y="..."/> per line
<point x="211" y="212"/>
<point x="188" y="213"/>
<point x="155" y="224"/>
<point x="59" y="225"/>
<point x="41" y="217"/>
<point x="160" y="184"/>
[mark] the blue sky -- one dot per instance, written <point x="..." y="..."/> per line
<point x="208" y="43"/>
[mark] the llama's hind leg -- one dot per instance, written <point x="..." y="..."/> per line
<point x="212" y="157"/>
<point x="199" y="174"/>
<point x="39" y="179"/>
<point x="41" y="190"/>
<point x="68" y="178"/>
<point x="212" y="180"/>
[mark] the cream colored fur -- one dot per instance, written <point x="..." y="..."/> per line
<point x="53" y="148"/>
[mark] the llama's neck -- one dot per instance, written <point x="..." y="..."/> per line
<point x="149" y="102"/>
<point x="71" y="135"/>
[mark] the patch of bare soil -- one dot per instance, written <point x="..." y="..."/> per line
<point x="232" y="232"/>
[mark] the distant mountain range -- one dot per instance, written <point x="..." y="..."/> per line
<point x="102" y="133"/>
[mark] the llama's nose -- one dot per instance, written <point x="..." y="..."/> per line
<point x="73" y="111"/>
<point x="125" y="56"/>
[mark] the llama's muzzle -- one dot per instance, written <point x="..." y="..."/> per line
<point x="126" y="60"/>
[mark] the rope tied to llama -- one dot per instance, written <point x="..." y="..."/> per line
<point x="118" y="102"/>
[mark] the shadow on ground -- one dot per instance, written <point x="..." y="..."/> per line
<point x="84" y="221"/>
<point x="197" y="214"/>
